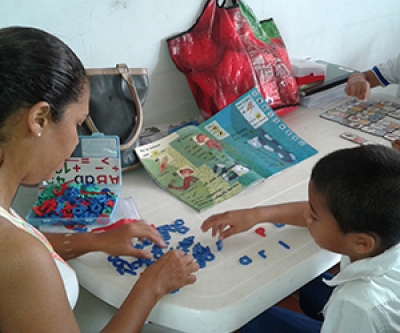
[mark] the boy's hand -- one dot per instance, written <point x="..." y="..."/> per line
<point x="229" y="223"/>
<point x="358" y="87"/>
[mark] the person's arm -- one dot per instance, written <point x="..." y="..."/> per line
<point x="236" y="221"/>
<point x="116" y="241"/>
<point x="359" y="85"/>
<point x="33" y="297"/>
<point x="169" y="273"/>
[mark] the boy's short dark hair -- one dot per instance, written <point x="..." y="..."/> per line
<point x="361" y="189"/>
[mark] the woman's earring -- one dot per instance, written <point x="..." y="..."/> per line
<point x="39" y="135"/>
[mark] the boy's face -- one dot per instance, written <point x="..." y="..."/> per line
<point x="323" y="226"/>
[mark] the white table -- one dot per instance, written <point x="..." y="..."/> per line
<point x="227" y="294"/>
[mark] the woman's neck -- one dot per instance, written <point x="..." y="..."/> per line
<point x="8" y="188"/>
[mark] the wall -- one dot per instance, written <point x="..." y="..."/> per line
<point x="358" y="33"/>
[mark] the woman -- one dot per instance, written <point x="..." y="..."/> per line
<point x="44" y="96"/>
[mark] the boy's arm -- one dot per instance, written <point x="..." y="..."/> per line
<point x="236" y="221"/>
<point x="359" y="85"/>
<point x="372" y="79"/>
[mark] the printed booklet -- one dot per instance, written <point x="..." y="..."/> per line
<point x="239" y="146"/>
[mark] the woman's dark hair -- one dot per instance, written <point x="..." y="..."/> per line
<point x="37" y="66"/>
<point x="361" y="189"/>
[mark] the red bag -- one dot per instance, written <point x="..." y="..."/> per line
<point x="222" y="59"/>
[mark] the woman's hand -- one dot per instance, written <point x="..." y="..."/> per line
<point x="230" y="223"/>
<point x="170" y="272"/>
<point x="118" y="241"/>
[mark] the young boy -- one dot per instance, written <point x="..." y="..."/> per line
<point x="353" y="209"/>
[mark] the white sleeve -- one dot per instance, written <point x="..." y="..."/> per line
<point x="389" y="72"/>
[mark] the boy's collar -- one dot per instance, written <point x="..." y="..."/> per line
<point x="378" y="265"/>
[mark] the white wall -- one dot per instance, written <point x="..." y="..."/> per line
<point x="357" y="33"/>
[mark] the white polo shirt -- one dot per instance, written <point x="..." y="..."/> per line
<point x="367" y="296"/>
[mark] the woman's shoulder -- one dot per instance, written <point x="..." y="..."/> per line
<point x="30" y="283"/>
<point x="25" y="261"/>
<point x="19" y="249"/>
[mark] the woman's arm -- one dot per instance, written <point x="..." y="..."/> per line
<point x="116" y="241"/>
<point x="33" y="298"/>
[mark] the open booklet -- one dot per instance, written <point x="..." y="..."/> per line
<point x="238" y="147"/>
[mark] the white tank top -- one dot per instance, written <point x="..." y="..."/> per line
<point x="68" y="275"/>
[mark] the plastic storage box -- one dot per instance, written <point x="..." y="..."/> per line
<point x="307" y="71"/>
<point x="86" y="190"/>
